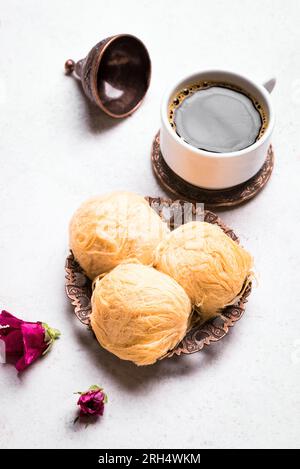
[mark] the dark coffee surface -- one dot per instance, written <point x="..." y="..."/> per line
<point x="218" y="119"/>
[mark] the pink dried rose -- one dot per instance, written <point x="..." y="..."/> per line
<point x="24" y="341"/>
<point x="92" y="402"/>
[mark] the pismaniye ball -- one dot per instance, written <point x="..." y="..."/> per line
<point x="113" y="228"/>
<point x="211" y="267"/>
<point x="139" y="313"/>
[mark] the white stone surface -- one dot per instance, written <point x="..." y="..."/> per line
<point x="57" y="150"/>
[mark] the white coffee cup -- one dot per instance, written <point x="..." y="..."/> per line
<point x="216" y="170"/>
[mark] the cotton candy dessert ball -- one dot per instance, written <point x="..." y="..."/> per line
<point x="112" y="228"/>
<point x="139" y="313"/>
<point x="210" y="266"/>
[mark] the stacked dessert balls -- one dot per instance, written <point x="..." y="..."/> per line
<point x="148" y="282"/>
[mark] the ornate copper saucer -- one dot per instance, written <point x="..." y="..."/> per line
<point x="213" y="199"/>
<point x="79" y="290"/>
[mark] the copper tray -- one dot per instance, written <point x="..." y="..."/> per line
<point x="79" y="290"/>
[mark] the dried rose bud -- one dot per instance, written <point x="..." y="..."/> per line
<point x="92" y="401"/>
<point x="24" y="341"/>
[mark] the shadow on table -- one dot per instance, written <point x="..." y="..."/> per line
<point x="96" y="120"/>
<point x="134" y="378"/>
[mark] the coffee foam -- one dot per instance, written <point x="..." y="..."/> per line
<point x="189" y="90"/>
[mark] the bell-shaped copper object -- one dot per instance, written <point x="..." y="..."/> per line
<point x="115" y="74"/>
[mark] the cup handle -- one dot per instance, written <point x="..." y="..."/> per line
<point x="270" y="84"/>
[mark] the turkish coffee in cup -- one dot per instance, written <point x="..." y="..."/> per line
<point x="217" y="116"/>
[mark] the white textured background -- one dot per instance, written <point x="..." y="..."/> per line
<point x="56" y="150"/>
